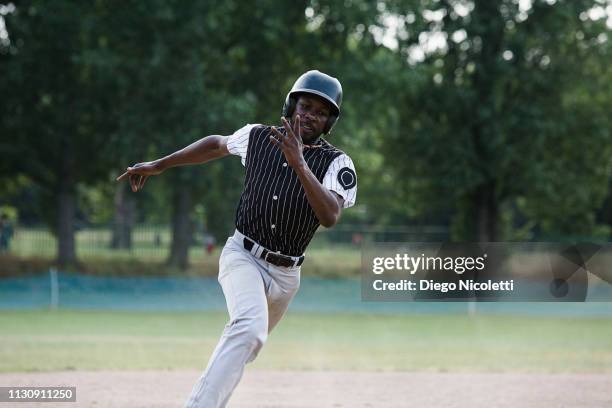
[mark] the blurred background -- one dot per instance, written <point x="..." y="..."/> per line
<point x="467" y="120"/>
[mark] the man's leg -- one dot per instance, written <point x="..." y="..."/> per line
<point x="282" y="285"/>
<point x="241" y="280"/>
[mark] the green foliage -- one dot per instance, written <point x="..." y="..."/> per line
<point x="503" y="130"/>
<point x="504" y="111"/>
<point x="57" y="112"/>
<point x="10" y="212"/>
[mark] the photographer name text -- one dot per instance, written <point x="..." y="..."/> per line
<point x="443" y="287"/>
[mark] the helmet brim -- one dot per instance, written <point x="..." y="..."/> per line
<point x="331" y="102"/>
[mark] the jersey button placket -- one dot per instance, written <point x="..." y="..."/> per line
<point x="273" y="226"/>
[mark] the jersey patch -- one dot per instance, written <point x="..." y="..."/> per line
<point x="347" y="178"/>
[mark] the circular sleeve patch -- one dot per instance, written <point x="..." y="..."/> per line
<point x="347" y="178"/>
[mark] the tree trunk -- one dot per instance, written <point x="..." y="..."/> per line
<point x="487" y="213"/>
<point x="66" y="206"/>
<point x="125" y="208"/>
<point x="182" y="229"/>
<point x="485" y="207"/>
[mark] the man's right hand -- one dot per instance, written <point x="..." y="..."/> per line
<point x="138" y="174"/>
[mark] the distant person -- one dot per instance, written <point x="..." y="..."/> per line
<point x="209" y="243"/>
<point x="295" y="181"/>
<point x="6" y="233"/>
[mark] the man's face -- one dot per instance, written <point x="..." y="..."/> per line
<point x="314" y="112"/>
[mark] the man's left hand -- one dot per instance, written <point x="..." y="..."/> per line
<point x="290" y="143"/>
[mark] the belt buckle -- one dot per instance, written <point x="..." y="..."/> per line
<point x="279" y="259"/>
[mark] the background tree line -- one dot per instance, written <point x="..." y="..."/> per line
<point x="491" y="116"/>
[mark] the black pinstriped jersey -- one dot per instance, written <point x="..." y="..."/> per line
<point x="273" y="209"/>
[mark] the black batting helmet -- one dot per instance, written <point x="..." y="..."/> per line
<point x="320" y="84"/>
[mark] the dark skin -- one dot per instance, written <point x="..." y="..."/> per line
<point x="308" y="120"/>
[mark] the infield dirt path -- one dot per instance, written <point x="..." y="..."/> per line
<point x="307" y="389"/>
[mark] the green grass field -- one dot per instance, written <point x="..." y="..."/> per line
<point x="79" y="340"/>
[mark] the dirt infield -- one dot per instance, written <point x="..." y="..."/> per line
<point x="334" y="389"/>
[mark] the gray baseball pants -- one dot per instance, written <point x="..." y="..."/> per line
<point x="257" y="295"/>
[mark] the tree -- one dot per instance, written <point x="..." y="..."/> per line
<point x="58" y="108"/>
<point x="492" y="127"/>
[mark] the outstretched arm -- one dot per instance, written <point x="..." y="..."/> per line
<point x="204" y="150"/>
<point x="326" y="204"/>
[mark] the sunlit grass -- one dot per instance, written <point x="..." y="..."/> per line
<point x="43" y="341"/>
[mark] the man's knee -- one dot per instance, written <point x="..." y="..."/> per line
<point x="253" y="331"/>
<point x="257" y="332"/>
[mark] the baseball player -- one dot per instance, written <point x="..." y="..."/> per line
<point x="295" y="181"/>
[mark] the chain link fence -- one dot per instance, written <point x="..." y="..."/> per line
<point x="152" y="242"/>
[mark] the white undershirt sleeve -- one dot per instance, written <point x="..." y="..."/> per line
<point x="238" y="142"/>
<point x="342" y="179"/>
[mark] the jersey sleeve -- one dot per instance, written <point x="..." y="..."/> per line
<point x="342" y="179"/>
<point x="238" y="142"/>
